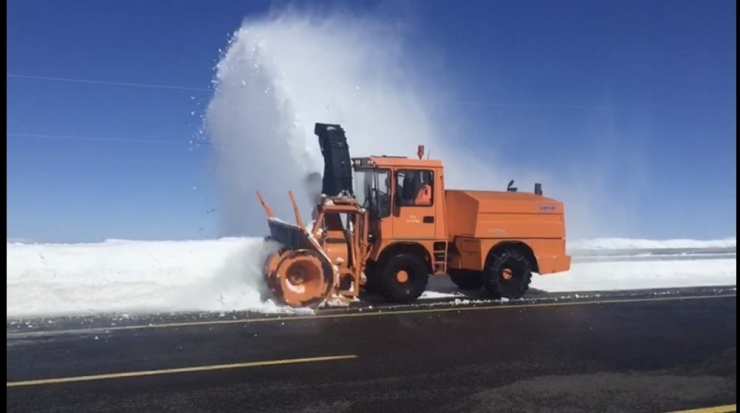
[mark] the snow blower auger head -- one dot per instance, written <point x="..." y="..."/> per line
<point x="312" y="267"/>
<point x="325" y="263"/>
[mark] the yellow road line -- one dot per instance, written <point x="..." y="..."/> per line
<point x="374" y="313"/>
<point x="730" y="408"/>
<point x="177" y="370"/>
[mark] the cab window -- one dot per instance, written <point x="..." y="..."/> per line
<point x="414" y="188"/>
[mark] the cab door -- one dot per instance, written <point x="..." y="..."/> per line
<point x="413" y="204"/>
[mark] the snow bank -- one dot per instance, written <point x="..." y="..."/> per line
<point x="224" y="275"/>
<point x="591" y="276"/>
<point x="627" y="243"/>
<point x="136" y="277"/>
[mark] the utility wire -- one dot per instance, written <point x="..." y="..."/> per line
<point x="103" y="82"/>
<point x="39" y="158"/>
<point x="448" y="102"/>
<point x="91" y="138"/>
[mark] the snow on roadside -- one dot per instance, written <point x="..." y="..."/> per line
<point x="627" y="243"/>
<point x="430" y="295"/>
<point x="138" y="277"/>
<point x="625" y="275"/>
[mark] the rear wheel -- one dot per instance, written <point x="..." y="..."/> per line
<point x="402" y="278"/>
<point x="466" y="279"/>
<point x="507" y="274"/>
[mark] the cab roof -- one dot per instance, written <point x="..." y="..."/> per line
<point x="396" y="162"/>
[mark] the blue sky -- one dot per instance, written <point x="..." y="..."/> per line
<point x="654" y="79"/>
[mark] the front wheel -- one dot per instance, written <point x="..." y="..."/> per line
<point x="403" y="278"/>
<point x="507" y="274"/>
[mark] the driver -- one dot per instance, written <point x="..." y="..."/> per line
<point x="424" y="196"/>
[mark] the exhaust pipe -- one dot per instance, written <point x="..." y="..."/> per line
<point x="538" y="189"/>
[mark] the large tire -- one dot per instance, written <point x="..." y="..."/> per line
<point x="398" y="290"/>
<point x="467" y="280"/>
<point x="511" y="284"/>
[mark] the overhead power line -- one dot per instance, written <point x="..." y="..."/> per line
<point x="104" y="82"/>
<point x="92" y="138"/>
<point x="162" y="86"/>
<point x="75" y="158"/>
<point x="444" y="102"/>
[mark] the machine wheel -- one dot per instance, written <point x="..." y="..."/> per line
<point x="403" y="278"/>
<point x="507" y="274"/>
<point x="467" y="280"/>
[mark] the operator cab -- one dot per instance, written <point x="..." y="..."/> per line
<point x="384" y="186"/>
<point x="401" y="195"/>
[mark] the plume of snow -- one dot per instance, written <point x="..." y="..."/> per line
<point x="281" y="75"/>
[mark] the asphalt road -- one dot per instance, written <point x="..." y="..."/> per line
<point x="649" y="354"/>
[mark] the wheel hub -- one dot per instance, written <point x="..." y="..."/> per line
<point x="402" y="276"/>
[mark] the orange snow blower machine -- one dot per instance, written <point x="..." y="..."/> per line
<point x="386" y="223"/>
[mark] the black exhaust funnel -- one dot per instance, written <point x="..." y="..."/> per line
<point x="538" y="189"/>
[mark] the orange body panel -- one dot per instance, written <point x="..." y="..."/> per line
<point x="479" y="220"/>
<point x="473" y="222"/>
<point x="501" y="215"/>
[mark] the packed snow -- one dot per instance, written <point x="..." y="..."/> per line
<point x="224" y="275"/>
